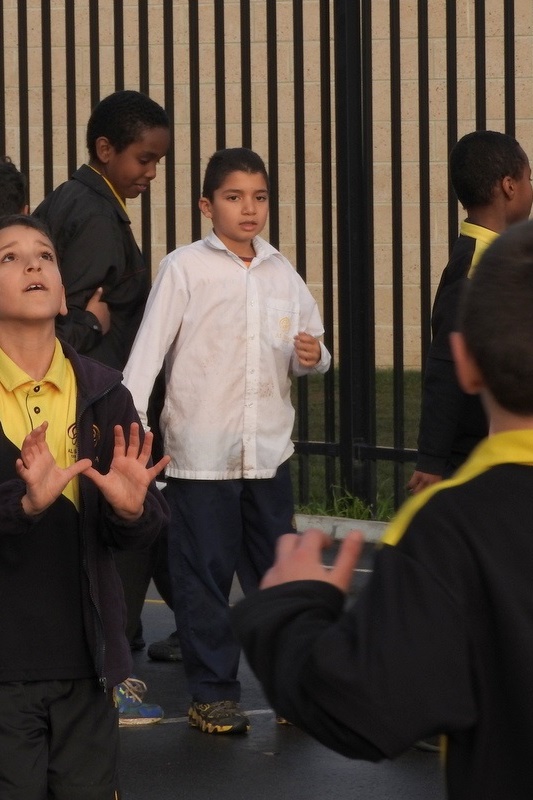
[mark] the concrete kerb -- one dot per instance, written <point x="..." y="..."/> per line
<point x="338" y="527"/>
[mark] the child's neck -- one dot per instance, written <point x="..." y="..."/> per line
<point x="31" y="350"/>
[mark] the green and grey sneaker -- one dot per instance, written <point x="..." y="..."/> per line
<point x="221" y="716"/>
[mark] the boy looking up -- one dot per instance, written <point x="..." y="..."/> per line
<point x="491" y="176"/>
<point x="441" y="637"/>
<point x="107" y="282"/>
<point x="62" y="611"/>
<point x="232" y="320"/>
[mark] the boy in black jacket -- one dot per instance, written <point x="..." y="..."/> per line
<point x="441" y="638"/>
<point x="75" y="481"/>
<point x="491" y="176"/>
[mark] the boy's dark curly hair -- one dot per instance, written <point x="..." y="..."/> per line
<point x="13" y="196"/>
<point x="479" y="160"/>
<point x="122" y="117"/>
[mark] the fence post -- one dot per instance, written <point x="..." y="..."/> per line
<point x="355" y="256"/>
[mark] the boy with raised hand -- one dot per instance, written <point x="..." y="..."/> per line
<point x="75" y="481"/>
<point x="441" y="638"/>
<point x="232" y="320"/>
<point x="491" y="177"/>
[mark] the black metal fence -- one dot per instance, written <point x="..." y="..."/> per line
<point x="348" y="447"/>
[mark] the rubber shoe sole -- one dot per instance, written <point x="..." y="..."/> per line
<point x="218" y="718"/>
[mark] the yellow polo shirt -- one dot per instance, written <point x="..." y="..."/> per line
<point x="25" y="404"/>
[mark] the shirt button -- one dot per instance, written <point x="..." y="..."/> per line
<point x="36" y="388"/>
<point x="37" y="410"/>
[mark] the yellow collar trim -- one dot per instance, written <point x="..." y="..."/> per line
<point x="120" y="200"/>
<point x="509" y="447"/>
<point x="483" y="236"/>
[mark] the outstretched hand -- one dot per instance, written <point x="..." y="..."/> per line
<point x="125" y="485"/>
<point x="44" y="479"/>
<point x="298" y="558"/>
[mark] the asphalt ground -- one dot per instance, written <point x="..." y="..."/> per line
<point x="171" y="761"/>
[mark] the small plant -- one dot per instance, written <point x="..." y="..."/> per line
<point x="349" y="507"/>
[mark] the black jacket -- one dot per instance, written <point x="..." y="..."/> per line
<point x="95" y="245"/>
<point x="451" y="422"/>
<point x="439" y="640"/>
<point x="62" y="613"/>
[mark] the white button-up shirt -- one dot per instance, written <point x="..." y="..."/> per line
<point x="226" y="335"/>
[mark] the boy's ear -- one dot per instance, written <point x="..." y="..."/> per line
<point x="204" y="204"/>
<point x="63" y="310"/>
<point x="508" y="185"/>
<point x="103" y="149"/>
<point x="468" y="374"/>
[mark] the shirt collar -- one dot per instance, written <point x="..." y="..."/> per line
<point x="12" y="376"/>
<point x="263" y="249"/>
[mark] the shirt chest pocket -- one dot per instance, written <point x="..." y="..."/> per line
<point x="282" y="320"/>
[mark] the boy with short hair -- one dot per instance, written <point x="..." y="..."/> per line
<point x="441" y="637"/>
<point x="13" y="190"/>
<point x="62" y="611"/>
<point x="127" y="135"/>
<point x="491" y="176"/>
<point x="231" y="319"/>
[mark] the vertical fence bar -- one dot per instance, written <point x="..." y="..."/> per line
<point x="70" y="54"/>
<point x="509" y="68"/>
<point x="170" y="159"/>
<point x="2" y="86"/>
<point x="194" y="112"/>
<point x="94" y="51"/>
<point x="367" y="398"/>
<point x="24" y="138"/>
<point x="355" y="279"/>
<point x="330" y="410"/>
<point x="424" y="190"/>
<point x="144" y="87"/>
<point x="118" y="18"/>
<point x="481" y="65"/>
<point x="397" y="244"/>
<point x="300" y="220"/>
<point x="246" y="74"/>
<point x="272" y="92"/>
<point x="220" y="74"/>
<point x="451" y="110"/>
<point x="46" y="66"/>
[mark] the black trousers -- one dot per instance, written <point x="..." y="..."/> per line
<point x="219" y="528"/>
<point x="58" y="741"/>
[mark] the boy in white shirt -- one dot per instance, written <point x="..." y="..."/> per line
<point x="231" y="319"/>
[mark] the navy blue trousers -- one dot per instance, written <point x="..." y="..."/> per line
<point x="219" y="529"/>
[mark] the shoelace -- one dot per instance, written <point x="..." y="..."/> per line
<point x="134" y="688"/>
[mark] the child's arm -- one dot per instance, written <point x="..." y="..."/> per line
<point x="125" y="485"/>
<point x="44" y="479"/>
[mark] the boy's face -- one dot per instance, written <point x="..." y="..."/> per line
<point x="30" y="281"/>
<point x="239" y="210"/>
<point x="131" y="171"/>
